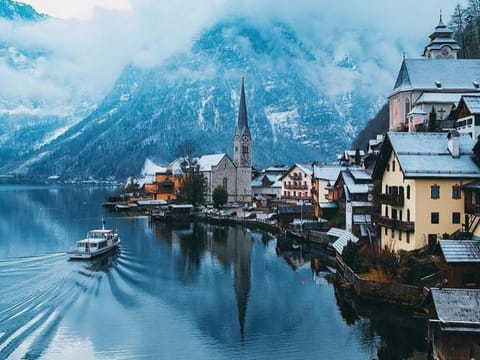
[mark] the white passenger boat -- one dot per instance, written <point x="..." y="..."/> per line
<point x="97" y="242"/>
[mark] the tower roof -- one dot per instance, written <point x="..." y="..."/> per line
<point x="242" y="124"/>
<point x="440" y="37"/>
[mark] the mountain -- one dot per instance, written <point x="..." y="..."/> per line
<point x="194" y="95"/>
<point x="29" y="119"/>
<point x="12" y="10"/>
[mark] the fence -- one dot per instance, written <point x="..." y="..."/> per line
<point x="379" y="290"/>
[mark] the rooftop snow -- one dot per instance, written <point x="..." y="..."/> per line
<point x="426" y="155"/>
<point x="343" y="238"/>
<point x="472" y="103"/>
<point x="451" y="73"/>
<point x="429" y="97"/>
<point x="457" y="305"/>
<point x="327" y="172"/>
<point x="460" y="251"/>
<point x="206" y="162"/>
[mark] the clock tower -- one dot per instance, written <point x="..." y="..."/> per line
<point x="242" y="152"/>
<point x="442" y="44"/>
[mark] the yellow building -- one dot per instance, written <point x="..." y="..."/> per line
<point x="418" y="187"/>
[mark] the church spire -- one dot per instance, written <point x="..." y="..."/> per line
<point x="242" y="123"/>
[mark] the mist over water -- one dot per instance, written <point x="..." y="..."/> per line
<point x="196" y="291"/>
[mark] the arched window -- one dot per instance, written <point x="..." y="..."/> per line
<point x="408" y="191"/>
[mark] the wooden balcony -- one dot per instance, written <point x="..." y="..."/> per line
<point x="407" y="226"/>
<point x="296" y="187"/>
<point x="391" y="199"/>
<point x="472" y="209"/>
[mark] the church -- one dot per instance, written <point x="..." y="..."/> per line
<point x="234" y="175"/>
<point x="434" y="82"/>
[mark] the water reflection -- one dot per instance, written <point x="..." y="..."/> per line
<point x="194" y="290"/>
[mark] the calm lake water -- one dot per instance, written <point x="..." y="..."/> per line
<point x="197" y="292"/>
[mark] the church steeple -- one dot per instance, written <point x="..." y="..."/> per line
<point x="242" y="123"/>
<point x="442" y="45"/>
<point x="242" y="151"/>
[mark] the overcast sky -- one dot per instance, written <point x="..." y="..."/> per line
<point x="89" y="42"/>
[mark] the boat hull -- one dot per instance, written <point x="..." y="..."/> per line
<point x="82" y="255"/>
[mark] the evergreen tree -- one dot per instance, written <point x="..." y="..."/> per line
<point x="219" y="196"/>
<point x="432" y="121"/>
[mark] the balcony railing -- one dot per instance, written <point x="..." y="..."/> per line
<point x="295" y="177"/>
<point x="472" y="209"/>
<point x="295" y="187"/>
<point x="407" y="226"/>
<point x="392" y="199"/>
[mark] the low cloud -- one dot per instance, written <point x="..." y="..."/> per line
<point x="79" y="60"/>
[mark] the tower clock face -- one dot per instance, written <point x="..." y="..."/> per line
<point x="245" y="139"/>
<point x="445" y="50"/>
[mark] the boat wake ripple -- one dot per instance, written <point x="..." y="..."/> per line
<point x="39" y="292"/>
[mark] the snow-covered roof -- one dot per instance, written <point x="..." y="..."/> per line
<point x="343" y="237"/>
<point x="460" y="251"/>
<point x="307" y="169"/>
<point x="423" y="74"/>
<point x="362" y="219"/>
<point x="439" y="98"/>
<point x="150" y="168"/>
<point x="327" y="172"/>
<point x="426" y="155"/>
<point x="417" y="110"/>
<point x="472" y="103"/>
<point x="351" y="186"/>
<point x="274" y="179"/>
<point x="361" y="174"/>
<point x="206" y="162"/>
<point x="457" y="307"/>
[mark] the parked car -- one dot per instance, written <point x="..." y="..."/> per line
<point x="251" y="215"/>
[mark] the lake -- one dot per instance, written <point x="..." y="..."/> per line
<point x="195" y="291"/>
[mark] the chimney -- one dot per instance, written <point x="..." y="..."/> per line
<point x="454" y="143"/>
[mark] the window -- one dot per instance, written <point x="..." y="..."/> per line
<point x="400" y="216"/>
<point x="386" y="211"/>
<point x="388" y="166"/>
<point x="399" y="235"/>
<point x="456" y="194"/>
<point x="435" y="218"/>
<point x="225" y="183"/>
<point x="408" y="238"/>
<point x="408" y="214"/>
<point x="393" y="233"/>
<point x="386" y="189"/>
<point x="435" y="192"/>
<point x="408" y="191"/>
<point x="386" y="231"/>
<point x="393" y="165"/>
<point x="455" y="218"/>
<point x="245" y="149"/>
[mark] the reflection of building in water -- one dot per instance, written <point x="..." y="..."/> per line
<point x="235" y="248"/>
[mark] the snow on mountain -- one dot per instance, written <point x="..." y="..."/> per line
<point x="293" y="115"/>
<point x="13" y="10"/>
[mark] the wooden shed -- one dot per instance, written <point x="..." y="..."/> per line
<point x="454" y="324"/>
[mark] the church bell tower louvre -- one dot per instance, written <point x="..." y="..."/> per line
<point x="242" y="151"/>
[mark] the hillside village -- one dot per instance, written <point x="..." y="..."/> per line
<point x="414" y="189"/>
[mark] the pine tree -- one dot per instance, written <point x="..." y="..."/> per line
<point x="432" y="121"/>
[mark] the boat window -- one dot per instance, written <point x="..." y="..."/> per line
<point x="93" y="244"/>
